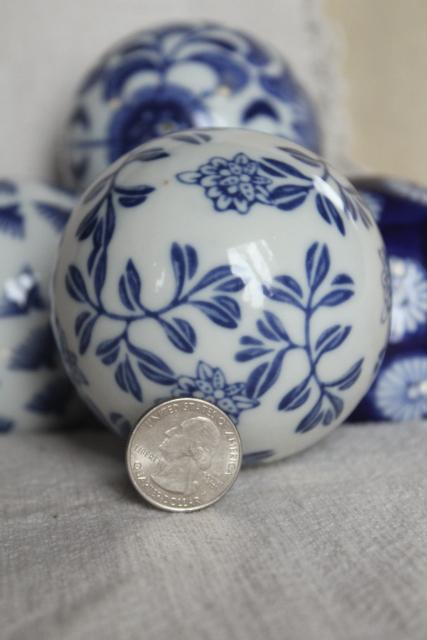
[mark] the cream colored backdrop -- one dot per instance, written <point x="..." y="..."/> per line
<point x="385" y="61"/>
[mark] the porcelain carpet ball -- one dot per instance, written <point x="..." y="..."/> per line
<point x="226" y="265"/>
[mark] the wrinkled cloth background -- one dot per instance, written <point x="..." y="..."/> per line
<point x="328" y="545"/>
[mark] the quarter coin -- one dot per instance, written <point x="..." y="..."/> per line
<point x="184" y="454"/>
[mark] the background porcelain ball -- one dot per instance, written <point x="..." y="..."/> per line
<point x="400" y="390"/>
<point x="175" y="77"/>
<point x="34" y="389"/>
<point x="227" y="265"/>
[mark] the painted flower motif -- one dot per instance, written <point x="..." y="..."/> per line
<point x="210" y="384"/>
<point x="401" y="391"/>
<point x="231" y="184"/>
<point x="409" y="287"/>
<point x="69" y="359"/>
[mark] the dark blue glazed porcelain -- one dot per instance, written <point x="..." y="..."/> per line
<point x="400" y="389"/>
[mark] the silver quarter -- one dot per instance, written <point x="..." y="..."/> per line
<point x="184" y="454"/>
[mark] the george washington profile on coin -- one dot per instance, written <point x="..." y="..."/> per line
<point x="187" y="451"/>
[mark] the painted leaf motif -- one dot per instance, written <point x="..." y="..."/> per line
<point x="100" y="273"/>
<point x="342" y="278"/>
<point x="75" y="284"/>
<point x="332" y="338"/>
<point x="279" y="295"/>
<point x="289" y="196"/>
<point x="133" y="196"/>
<point x="12" y="221"/>
<point x="337" y="404"/>
<point x="349" y="378"/>
<point x="270" y="375"/>
<point x="86" y="335"/>
<point x="329" y="212"/>
<point x="179" y="267"/>
<point x="253" y="379"/>
<point x="335" y="298"/>
<point x="312" y="419"/>
<point x="133" y="282"/>
<point x="290" y="283"/>
<point x="35" y="352"/>
<point x="296" y="397"/>
<point x="284" y="169"/>
<point x="80" y="321"/>
<point x="250" y="340"/>
<point x="181" y="334"/>
<point x="218" y="314"/>
<point x="55" y="215"/>
<point x="124" y="294"/>
<point x="212" y="276"/>
<point x="149" y="155"/>
<point x="231" y="286"/>
<point x="301" y="157"/>
<point x="251" y="353"/>
<point x="108" y="350"/>
<point x="131" y="380"/>
<point x="317" y="265"/>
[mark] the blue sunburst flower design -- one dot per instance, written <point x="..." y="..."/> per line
<point x="409" y="286"/>
<point x="231" y="184"/>
<point x="210" y="384"/>
<point x="401" y="391"/>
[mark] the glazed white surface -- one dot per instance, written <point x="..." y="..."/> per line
<point x="258" y="245"/>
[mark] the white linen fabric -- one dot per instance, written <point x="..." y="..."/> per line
<point x="328" y="545"/>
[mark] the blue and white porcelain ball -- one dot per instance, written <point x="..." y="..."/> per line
<point x="34" y="389"/>
<point x="400" y="390"/>
<point x="227" y="265"/>
<point x="175" y="77"/>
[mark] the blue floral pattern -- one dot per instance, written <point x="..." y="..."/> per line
<point x="234" y="184"/>
<point x="212" y="295"/>
<point x="401" y="390"/>
<point x="12" y="216"/>
<point x="210" y="384"/>
<point x="144" y="93"/>
<point x="240" y="182"/>
<point x="118" y="318"/>
<point x="409" y="287"/>
<point x="273" y="342"/>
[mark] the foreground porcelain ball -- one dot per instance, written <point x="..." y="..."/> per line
<point x="400" y="389"/>
<point x="175" y="77"/>
<point x="34" y="389"/>
<point x="227" y="265"/>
